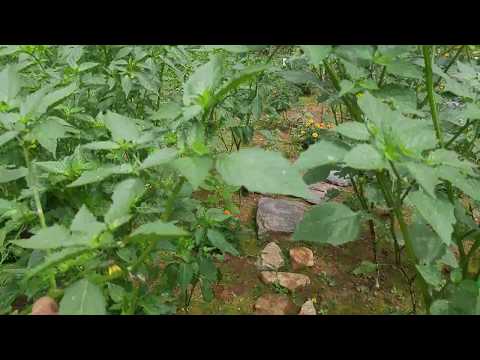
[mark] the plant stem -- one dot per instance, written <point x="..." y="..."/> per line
<point x="449" y="65"/>
<point x="171" y="200"/>
<point x="460" y="131"/>
<point x="32" y="184"/>
<point x="427" y="56"/>
<point x="406" y="235"/>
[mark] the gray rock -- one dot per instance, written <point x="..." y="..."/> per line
<point x="301" y="257"/>
<point x="335" y="179"/>
<point x="308" y="308"/>
<point x="271" y="258"/>
<point x="291" y="281"/>
<point x="319" y="191"/>
<point x="278" y="216"/>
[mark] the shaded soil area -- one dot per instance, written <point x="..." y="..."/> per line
<point x="334" y="288"/>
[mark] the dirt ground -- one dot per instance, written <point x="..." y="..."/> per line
<point x="334" y="288"/>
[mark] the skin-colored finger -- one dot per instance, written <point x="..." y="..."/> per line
<point x="45" y="306"/>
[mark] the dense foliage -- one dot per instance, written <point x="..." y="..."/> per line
<point x="104" y="148"/>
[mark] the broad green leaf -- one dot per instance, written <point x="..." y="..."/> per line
<point x="116" y="292"/>
<point x="431" y="275"/>
<point x="83" y="298"/>
<point x="411" y="136"/>
<point x="353" y="130"/>
<point x="167" y="111"/>
<point x="317" y="174"/>
<point x="262" y="171"/>
<point x="48" y="132"/>
<point x="195" y="169"/>
<point x="10" y="83"/>
<point x="329" y="223"/>
<point x="100" y="174"/>
<point x="439" y="213"/>
<point x="121" y="127"/>
<point x="199" y="88"/>
<point x="375" y="110"/>
<point x="365" y="157"/>
<point x="472" y="111"/>
<point x="244" y="76"/>
<point x="300" y="77"/>
<point x="159" y="229"/>
<point x="7" y="175"/>
<point x="124" y="196"/>
<point x="85" y="222"/>
<point x="101" y="145"/>
<point x="465" y="183"/>
<point x="405" y="69"/>
<point x="355" y="52"/>
<point x="346" y="86"/>
<point x="426" y="244"/>
<point x="321" y="153"/>
<point x="217" y="239"/>
<point x="316" y="53"/>
<point x="450" y="158"/>
<point x="207" y="268"/>
<point x="55" y="96"/>
<point x="56" y="167"/>
<point x="7" y="136"/>
<point x="458" y="88"/>
<point x="425" y="175"/>
<point x="353" y="71"/>
<point x="48" y="238"/>
<point x="56" y="258"/>
<point x="159" y="157"/>
<point x="185" y="275"/>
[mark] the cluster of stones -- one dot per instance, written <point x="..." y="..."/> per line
<point x="280" y="217"/>
<point x="269" y="263"/>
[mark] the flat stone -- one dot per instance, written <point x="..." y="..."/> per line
<point x="308" y="308"/>
<point x="301" y="257"/>
<point x="278" y="216"/>
<point x="291" y="281"/>
<point x="271" y="257"/>
<point x="274" y="304"/>
<point x="319" y="192"/>
<point x="335" y="179"/>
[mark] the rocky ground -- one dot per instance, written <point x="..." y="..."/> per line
<point x="278" y="276"/>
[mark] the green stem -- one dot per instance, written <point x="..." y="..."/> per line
<point x="171" y="200"/>
<point x="449" y="65"/>
<point x="427" y="56"/>
<point x="382" y="76"/>
<point x="31" y="179"/>
<point x="460" y="131"/>
<point x="32" y="184"/>
<point x="336" y="83"/>
<point x="406" y="236"/>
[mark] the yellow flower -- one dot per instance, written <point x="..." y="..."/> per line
<point x="309" y="121"/>
<point x="315" y="135"/>
<point x="317" y="126"/>
<point x="302" y="132"/>
<point x="112" y="270"/>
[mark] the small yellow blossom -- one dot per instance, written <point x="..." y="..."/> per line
<point x="315" y="135"/>
<point x="318" y="126"/>
<point x="310" y="122"/>
<point x="112" y="270"/>
<point x="302" y="132"/>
